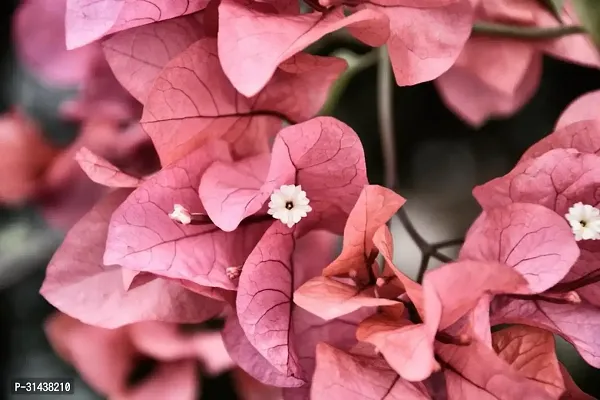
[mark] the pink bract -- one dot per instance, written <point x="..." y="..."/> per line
<point x="101" y="96"/>
<point x="446" y="288"/>
<point x="87" y="21"/>
<point x="81" y="286"/>
<point x="343" y="376"/>
<point x="407" y="347"/>
<point x="39" y="32"/>
<point x="583" y="136"/>
<point x="563" y="164"/>
<point x="473" y="99"/>
<point x="189" y="100"/>
<point x="466" y="379"/>
<point x="255" y="37"/>
<point x="141" y="236"/>
<point x="275" y="340"/>
<point x="195" y="113"/>
<point x="531" y="351"/>
<point x="531" y="239"/>
<point x="357" y="288"/>
<point x="137" y="56"/>
<point x="65" y="193"/>
<point x="101" y="171"/>
<point x="495" y="77"/>
<point x="51" y="178"/>
<point x="27" y="154"/>
<point x="107" y="364"/>
<point x="328" y="298"/>
<point x="323" y="155"/>
<point x="576" y="323"/>
<point x="354" y="282"/>
<point x="539" y="245"/>
<point x="193" y="102"/>
<point x="375" y="206"/>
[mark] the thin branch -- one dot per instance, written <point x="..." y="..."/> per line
<point x="448" y="243"/>
<point x="423" y="267"/>
<point x="385" y="102"/>
<point x="525" y="32"/>
<point x="441" y="256"/>
<point x="411" y="230"/>
<point x="428" y="250"/>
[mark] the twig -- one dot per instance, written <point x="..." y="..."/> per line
<point x="427" y="250"/>
<point x="525" y="32"/>
<point x="385" y="102"/>
<point x="448" y="243"/>
<point x="423" y="267"/>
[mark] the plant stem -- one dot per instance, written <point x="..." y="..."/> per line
<point x="448" y="243"/>
<point x="525" y="32"/>
<point x="385" y="102"/>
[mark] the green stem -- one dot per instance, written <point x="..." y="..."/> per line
<point x="525" y="32"/>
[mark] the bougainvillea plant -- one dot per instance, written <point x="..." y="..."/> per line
<point x="208" y="183"/>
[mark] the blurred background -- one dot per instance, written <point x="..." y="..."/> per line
<point x="440" y="160"/>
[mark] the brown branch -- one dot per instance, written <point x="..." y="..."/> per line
<point x="385" y="102"/>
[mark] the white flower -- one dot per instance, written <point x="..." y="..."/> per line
<point x="181" y="214"/>
<point x="585" y="221"/>
<point x="289" y="204"/>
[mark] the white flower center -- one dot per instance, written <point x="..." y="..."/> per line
<point x="585" y="221"/>
<point x="181" y="214"/>
<point x="289" y="204"/>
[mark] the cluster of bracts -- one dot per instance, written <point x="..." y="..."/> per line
<point x="241" y="218"/>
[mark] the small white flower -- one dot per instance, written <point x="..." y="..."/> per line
<point x="289" y="204"/>
<point x="181" y="214"/>
<point x="585" y="221"/>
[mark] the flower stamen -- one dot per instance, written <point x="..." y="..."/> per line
<point x="585" y="221"/>
<point x="289" y="204"/>
<point x="183" y="216"/>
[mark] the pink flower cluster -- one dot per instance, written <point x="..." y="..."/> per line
<point x="38" y="171"/>
<point x="197" y="238"/>
<point x="496" y="76"/>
